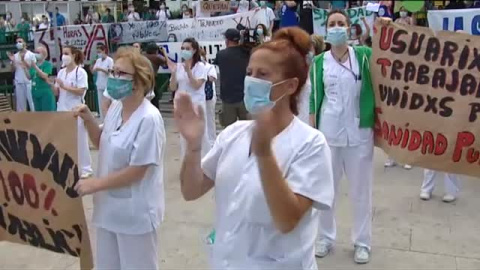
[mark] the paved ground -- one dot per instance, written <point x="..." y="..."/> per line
<point x="407" y="232"/>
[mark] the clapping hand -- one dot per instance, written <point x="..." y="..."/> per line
<point x="188" y="68"/>
<point x="263" y="133"/>
<point x="11" y="56"/>
<point x="59" y="82"/>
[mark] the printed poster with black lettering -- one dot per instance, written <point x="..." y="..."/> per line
<point x="427" y="92"/>
<point x="38" y="172"/>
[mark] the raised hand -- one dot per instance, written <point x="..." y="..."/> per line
<point x="11" y="56"/>
<point x="263" y="133"/>
<point x="171" y="65"/>
<point x="189" y="119"/>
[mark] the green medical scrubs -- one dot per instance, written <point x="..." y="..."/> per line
<point x="43" y="97"/>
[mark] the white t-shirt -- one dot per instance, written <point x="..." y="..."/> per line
<point x="138" y="208"/>
<point x="102" y="78"/>
<point x="77" y="78"/>
<point x="243" y="6"/>
<point x="162" y="15"/>
<point x="199" y="71"/>
<point x="20" y="76"/>
<point x="264" y="16"/>
<point x="133" y="16"/>
<point x="211" y="72"/>
<point x="246" y="236"/>
<point x="340" y="115"/>
<point x="196" y="5"/>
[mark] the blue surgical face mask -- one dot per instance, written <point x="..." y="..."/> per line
<point x="337" y="36"/>
<point x="19" y="46"/>
<point x="260" y="32"/>
<point x="186" y="55"/>
<point x="119" y="89"/>
<point x="257" y="94"/>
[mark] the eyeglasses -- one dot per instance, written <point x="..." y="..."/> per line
<point x="118" y="73"/>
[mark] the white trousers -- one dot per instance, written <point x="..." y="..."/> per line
<point x="126" y="251"/>
<point x="83" y="148"/>
<point x="357" y="163"/>
<point x="23" y="94"/>
<point x="100" y="100"/>
<point x="205" y="141"/>
<point x="450" y="182"/>
<point x="210" y="120"/>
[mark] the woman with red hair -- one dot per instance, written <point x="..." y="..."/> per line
<point x="271" y="175"/>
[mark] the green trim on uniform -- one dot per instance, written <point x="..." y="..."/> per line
<point x="367" y="96"/>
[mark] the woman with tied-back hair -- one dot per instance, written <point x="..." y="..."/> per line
<point x="272" y="175"/>
<point x="342" y="107"/>
<point x="189" y="77"/>
<point x="71" y="86"/>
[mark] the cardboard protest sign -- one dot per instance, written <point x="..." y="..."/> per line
<point x="319" y="16"/>
<point x="467" y="20"/>
<point x="38" y="171"/>
<point x="217" y="6"/>
<point x="173" y="51"/>
<point x="427" y="92"/>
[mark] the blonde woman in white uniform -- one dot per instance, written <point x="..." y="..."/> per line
<point x="271" y="175"/>
<point x="128" y="202"/>
<point x="71" y="85"/>
<point x="190" y="77"/>
<point x="342" y="107"/>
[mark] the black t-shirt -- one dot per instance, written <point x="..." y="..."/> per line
<point x="232" y="63"/>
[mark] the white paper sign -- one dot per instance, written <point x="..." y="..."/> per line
<point x="355" y="14"/>
<point x="173" y="51"/>
<point x="467" y="20"/>
<point x="209" y="29"/>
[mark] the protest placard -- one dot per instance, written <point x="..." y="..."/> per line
<point x="87" y="36"/>
<point x="427" y="92"/>
<point x="130" y="32"/>
<point x="210" y="29"/>
<point x="173" y="51"/>
<point x="38" y="172"/>
<point x="355" y="14"/>
<point x="217" y="6"/>
<point x="467" y="20"/>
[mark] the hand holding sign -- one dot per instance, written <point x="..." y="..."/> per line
<point x="83" y="112"/>
<point x="87" y="186"/>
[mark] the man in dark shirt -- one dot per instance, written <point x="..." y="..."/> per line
<point x="152" y="54"/>
<point x="232" y="63"/>
<point x="108" y="18"/>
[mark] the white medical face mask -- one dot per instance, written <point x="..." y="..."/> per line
<point x="66" y="60"/>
